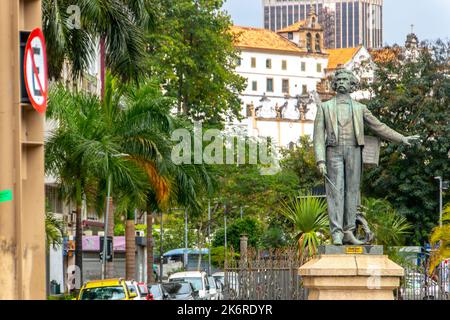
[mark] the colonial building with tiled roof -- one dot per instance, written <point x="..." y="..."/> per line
<point x="282" y="72"/>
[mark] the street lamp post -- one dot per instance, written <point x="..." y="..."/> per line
<point x="105" y="236"/>
<point x="443" y="185"/>
<point x="185" y="238"/>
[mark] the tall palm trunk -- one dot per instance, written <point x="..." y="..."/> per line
<point x="150" y="260"/>
<point x="130" y="247"/>
<point x="102" y="65"/>
<point x="110" y="265"/>
<point x="79" y="242"/>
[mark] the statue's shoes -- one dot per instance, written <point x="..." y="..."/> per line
<point x="349" y="238"/>
<point x="337" y="240"/>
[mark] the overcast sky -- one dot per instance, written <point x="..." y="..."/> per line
<point x="431" y="18"/>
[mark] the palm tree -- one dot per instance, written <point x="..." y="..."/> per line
<point x="308" y="215"/>
<point x="390" y="228"/>
<point x="440" y="241"/>
<point x="119" y="26"/>
<point x="54" y="230"/>
<point x="80" y="152"/>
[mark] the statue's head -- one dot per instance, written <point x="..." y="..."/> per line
<point x="344" y="81"/>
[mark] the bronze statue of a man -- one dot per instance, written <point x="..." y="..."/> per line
<point x="338" y="145"/>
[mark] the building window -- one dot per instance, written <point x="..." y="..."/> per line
<point x="319" y="67"/>
<point x="318" y="43"/>
<point x="284" y="65"/>
<point x="338" y="25"/>
<point x="269" y="87"/>
<point x="248" y="110"/>
<point x="304" y="89"/>
<point x="268" y="63"/>
<point x="303" y="68"/>
<point x="344" y="25"/>
<point x="309" y="42"/>
<point x="350" y="25"/>
<point x="285" y="18"/>
<point x="253" y="62"/>
<point x="290" y="35"/>
<point x="254" y="85"/>
<point x="238" y="61"/>
<point x="285" y="86"/>
<point x="278" y="20"/>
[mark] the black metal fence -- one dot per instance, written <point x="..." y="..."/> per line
<point x="417" y="284"/>
<point x="273" y="275"/>
<point x="264" y="275"/>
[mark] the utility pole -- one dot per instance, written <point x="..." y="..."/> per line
<point x="22" y="191"/>
<point x="440" y="199"/>
<point x="225" y="231"/>
<point x="185" y="238"/>
<point x="105" y="236"/>
<point x="209" y="237"/>
<point x="443" y="185"/>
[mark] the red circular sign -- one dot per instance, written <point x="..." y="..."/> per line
<point x="35" y="70"/>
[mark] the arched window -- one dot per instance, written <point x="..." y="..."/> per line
<point x="318" y="43"/>
<point x="309" y="42"/>
<point x="313" y="22"/>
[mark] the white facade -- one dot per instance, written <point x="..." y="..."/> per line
<point x="364" y="69"/>
<point x="263" y="122"/>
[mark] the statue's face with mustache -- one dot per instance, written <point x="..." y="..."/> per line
<point x="343" y="83"/>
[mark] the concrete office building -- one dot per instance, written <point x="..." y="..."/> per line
<point x="346" y="23"/>
<point x="22" y="211"/>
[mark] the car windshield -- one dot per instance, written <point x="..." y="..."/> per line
<point x="177" y="288"/>
<point x="212" y="283"/>
<point x="131" y="288"/>
<point x="196" y="282"/>
<point x="220" y="278"/>
<point x="154" y="290"/>
<point x="142" y="289"/>
<point x="103" y="293"/>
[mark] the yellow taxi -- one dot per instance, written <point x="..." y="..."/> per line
<point x="108" y="289"/>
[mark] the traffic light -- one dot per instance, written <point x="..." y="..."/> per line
<point x="109" y="249"/>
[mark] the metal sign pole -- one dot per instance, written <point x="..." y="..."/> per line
<point x="105" y="237"/>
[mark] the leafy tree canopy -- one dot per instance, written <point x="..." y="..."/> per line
<point x="412" y="96"/>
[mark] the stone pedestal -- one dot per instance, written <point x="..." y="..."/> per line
<point x="351" y="273"/>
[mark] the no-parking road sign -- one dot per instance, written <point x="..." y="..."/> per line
<point x="35" y="70"/>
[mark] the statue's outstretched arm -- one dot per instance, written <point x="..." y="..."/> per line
<point x="384" y="131"/>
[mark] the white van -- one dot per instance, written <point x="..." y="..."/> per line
<point x="199" y="280"/>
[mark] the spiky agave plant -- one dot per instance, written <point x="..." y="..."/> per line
<point x="308" y="215"/>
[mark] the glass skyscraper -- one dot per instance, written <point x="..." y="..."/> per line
<point x="346" y="23"/>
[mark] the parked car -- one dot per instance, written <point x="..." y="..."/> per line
<point x="110" y="289"/>
<point x="199" y="280"/>
<point x="212" y="288"/>
<point x="419" y="286"/>
<point x="215" y="288"/>
<point x="158" y="292"/>
<point x="140" y="289"/>
<point x="180" y="290"/>
<point x="229" y="285"/>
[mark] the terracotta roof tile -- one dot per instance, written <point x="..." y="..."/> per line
<point x="341" y="56"/>
<point x="293" y="27"/>
<point x="385" y="54"/>
<point x="247" y="37"/>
